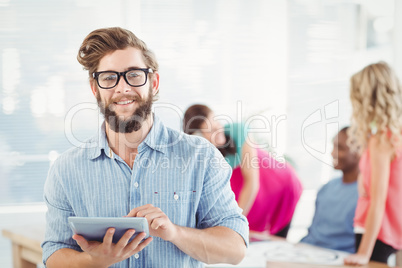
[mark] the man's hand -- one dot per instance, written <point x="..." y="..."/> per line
<point x="210" y="245"/>
<point x="159" y="223"/>
<point x="107" y="253"/>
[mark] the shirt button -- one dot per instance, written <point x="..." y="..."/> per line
<point x="136" y="184"/>
<point x="136" y="255"/>
<point x="176" y="197"/>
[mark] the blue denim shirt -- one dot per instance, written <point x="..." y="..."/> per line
<point x="183" y="175"/>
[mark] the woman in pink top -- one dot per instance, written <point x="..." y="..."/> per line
<point x="376" y="97"/>
<point x="266" y="190"/>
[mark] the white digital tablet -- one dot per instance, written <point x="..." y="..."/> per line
<point x="94" y="228"/>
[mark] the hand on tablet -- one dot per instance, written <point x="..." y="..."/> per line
<point x="108" y="253"/>
<point x="159" y="224"/>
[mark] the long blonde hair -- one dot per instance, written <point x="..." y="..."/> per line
<point x="376" y="97"/>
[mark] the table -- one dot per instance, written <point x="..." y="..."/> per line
<point x="274" y="252"/>
<point x="27" y="252"/>
<point x="26" y="249"/>
<point x="298" y="265"/>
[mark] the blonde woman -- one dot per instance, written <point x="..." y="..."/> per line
<point x="376" y="97"/>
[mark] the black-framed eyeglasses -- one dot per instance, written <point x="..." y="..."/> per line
<point x="134" y="77"/>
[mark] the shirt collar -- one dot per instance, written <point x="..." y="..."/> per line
<point x="157" y="139"/>
<point x="101" y="144"/>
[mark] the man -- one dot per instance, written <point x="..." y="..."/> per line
<point x="332" y="225"/>
<point x="139" y="168"/>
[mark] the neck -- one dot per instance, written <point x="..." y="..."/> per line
<point x="350" y="176"/>
<point x="126" y="145"/>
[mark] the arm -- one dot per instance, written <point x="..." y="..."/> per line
<point x="210" y="245"/>
<point x="67" y="257"/>
<point x="399" y="258"/>
<point x="218" y="232"/>
<point x="59" y="247"/>
<point x="96" y="254"/>
<point x="251" y="175"/>
<point x="381" y="153"/>
<point x="360" y="186"/>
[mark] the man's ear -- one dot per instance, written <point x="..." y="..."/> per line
<point x="94" y="87"/>
<point x="155" y="83"/>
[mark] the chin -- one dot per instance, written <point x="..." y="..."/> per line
<point x="337" y="167"/>
<point x="221" y="141"/>
<point x="219" y="144"/>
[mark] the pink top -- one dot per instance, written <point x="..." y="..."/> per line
<point x="279" y="192"/>
<point x="391" y="226"/>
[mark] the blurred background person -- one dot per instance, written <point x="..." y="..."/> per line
<point x="266" y="190"/>
<point x="376" y="97"/>
<point x="332" y="225"/>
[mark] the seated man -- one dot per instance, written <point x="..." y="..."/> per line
<point x="137" y="167"/>
<point x="332" y="225"/>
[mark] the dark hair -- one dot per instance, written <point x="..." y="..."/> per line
<point x="344" y="129"/>
<point x="195" y="116"/>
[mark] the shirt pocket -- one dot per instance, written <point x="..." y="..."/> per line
<point x="178" y="206"/>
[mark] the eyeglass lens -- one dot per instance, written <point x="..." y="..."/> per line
<point x="133" y="78"/>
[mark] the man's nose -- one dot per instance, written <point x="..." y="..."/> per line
<point x="122" y="86"/>
<point x="334" y="152"/>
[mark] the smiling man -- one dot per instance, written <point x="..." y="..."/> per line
<point x="191" y="211"/>
<point x="129" y="120"/>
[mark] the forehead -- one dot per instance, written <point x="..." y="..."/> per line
<point x="121" y="60"/>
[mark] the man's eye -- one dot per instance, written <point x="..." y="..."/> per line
<point x="133" y="74"/>
<point x="109" y="77"/>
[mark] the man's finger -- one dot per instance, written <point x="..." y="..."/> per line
<point x="143" y="244"/>
<point x="124" y="239"/>
<point x="108" y="238"/>
<point x="81" y="241"/>
<point x="157" y="223"/>
<point x="136" y="241"/>
<point x="152" y="214"/>
<point x="134" y="211"/>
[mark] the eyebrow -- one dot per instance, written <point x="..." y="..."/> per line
<point x="135" y="67"/>
<point x="126" y="69"/>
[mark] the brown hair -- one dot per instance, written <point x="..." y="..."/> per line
<point x="195" y="116"/>
<point x="106" y="40"/>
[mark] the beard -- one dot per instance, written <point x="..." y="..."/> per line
<point x="134" y="122"/>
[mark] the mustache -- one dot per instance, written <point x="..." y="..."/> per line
<point x="126" y="97"/>
<point x="112" y="101"/>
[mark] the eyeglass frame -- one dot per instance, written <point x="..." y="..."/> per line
<point x="120" y="74"/>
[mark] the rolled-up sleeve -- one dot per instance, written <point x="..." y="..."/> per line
<point x="58" y="234"/>
<point x="218" y="206"/>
